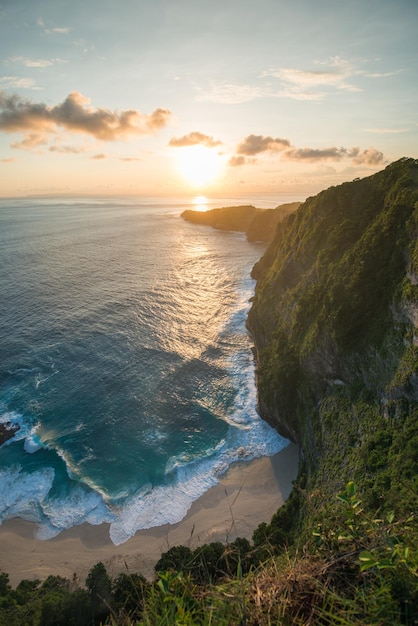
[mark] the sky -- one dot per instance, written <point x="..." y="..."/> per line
<point x="183" y="97"/>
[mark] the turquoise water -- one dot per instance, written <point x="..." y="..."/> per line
<point x="125" y="361"/>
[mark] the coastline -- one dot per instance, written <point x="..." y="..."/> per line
<point x="247" y="494"/>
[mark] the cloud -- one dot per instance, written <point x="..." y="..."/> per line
<point x="31" y="141"/>
<point x="258" y="144"/>
<point x="35" y="62"/>
<point x="334" y="74"/>
<point x="302" y="84"/>
<point x="100" y="156"/>
<point x="7" y="160"/>
<point x="62" y="30"/>
<point x="315" y="154"/>
<point x="67" y="149"/>
<point x="16" y="82"/>
<point x="75" y="114"/>
<point x="370" y="156"/>
<point x="254" y="144"/>
<point x="237" y="161"/>
<point x="231" y="93"/>
<point x="193" y="139"/>
<point x="383" y="74"/>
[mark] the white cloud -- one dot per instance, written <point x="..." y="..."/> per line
<point x="309" y="84"/>
<point x="230" y="93"/>
<point x="335" y="74"/>
<point x="18" y="82"/>
<point x="63" y="30"/>
<point x="382" y="74"/>
<point x="35" y="62"/>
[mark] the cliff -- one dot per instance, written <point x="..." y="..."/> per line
<point x="334" y="320"/>
<point x="257" y="224"/>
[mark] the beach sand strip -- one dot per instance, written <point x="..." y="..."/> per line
<point x="247" y="494"/>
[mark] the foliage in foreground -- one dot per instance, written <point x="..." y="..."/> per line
<point x="353" y="569"/>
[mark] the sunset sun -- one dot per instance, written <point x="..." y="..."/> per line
<point x="199" y="165"/>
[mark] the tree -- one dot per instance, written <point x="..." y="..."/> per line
<point x="4" y="584"/>
<point x="177" y="559"/>
<point x="99" y="586"/>
<point x="128" y="594"/>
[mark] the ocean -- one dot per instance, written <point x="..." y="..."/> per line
<point x="125" y="361"/>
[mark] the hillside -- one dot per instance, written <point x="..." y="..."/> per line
<point x="257" y="224"/>
<point x="334" y="320"/>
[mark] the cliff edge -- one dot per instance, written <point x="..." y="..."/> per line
<point x="334" y="321"/>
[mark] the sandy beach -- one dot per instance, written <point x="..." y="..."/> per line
<point x="247" y="494"/>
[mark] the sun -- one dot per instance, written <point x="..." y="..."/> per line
<point x="199" y="165"/>
<point x="200" y="204"/>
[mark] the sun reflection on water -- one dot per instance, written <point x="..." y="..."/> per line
<point x="200" y="203"/>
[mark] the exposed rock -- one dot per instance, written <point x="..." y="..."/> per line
<point x="8" y="431"/>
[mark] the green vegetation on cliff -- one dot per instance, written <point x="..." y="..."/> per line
<point x="334" y="322"/>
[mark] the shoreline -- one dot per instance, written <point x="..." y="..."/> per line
<point x="248" y="494"/>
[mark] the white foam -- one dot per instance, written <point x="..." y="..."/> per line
<point x="22" y="494"/>
<point x="45" y="531"/>
<point x="81" y="505"/>
<point x="163" y="505"/>
<point x="32" y="442"/>
<point x="169" y="504"/>
<point x="16" y="419"/>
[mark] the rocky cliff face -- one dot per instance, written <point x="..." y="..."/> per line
<point x="334" y="322"/>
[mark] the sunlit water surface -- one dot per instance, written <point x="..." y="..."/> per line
<point x="125" y="361"/>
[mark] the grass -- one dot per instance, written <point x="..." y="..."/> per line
<point x="352" y="569"/>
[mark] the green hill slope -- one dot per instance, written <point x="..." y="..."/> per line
<point x="334" y="321"/>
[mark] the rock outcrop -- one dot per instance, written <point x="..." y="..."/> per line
<point x="257" y="224"/>
<point x="8" y="431"/>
